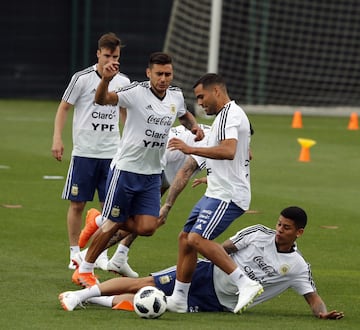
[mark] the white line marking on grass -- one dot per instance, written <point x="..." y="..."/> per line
<point x="12" y="206"/>
<point x="329" y="227"/>
<point x="53" y="177"/>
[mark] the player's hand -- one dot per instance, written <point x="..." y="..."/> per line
<point x="57" y="150"/>
<point x="110" y="70"/>
<point x="164" y="211"/>
<point x="333" y="315"/>
<point x="198" y="132"/>
<point x="199" y="181"/>
<point x="177" y="144"/>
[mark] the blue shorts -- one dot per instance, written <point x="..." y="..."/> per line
<point x="210" y="217"/>
<point x="202" y="296"/>
<point x="85" y="176"/>
<point x="130" y="194"/>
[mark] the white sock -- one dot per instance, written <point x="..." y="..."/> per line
<point x="120" y="255"/>
<point x="73" y="250"/>
<point x="86" y="293"/>
<point x="122" y="249"/>
<point x="181" y="291"/>
<point x="103" y="300"/>
<point x="83" y="253"/>
<point x="103" y="254"/>
<point x="239" y="278"/>
<point x="99" y="220"/>
<point x="86" y="267"/>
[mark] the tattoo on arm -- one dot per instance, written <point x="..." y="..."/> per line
<point x="181" y="179"/>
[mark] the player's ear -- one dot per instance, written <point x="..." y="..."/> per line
<point x="148" y="73"/>
<point x="98" y="53"/>
<point x="217" y="91"/>
<point x="299" y="232"/>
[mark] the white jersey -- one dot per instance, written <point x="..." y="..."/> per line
<point x="229" y="180"/>
<point x="148" y="122"/>
<point x="173" y="160"/>
<point x="258" y="257"/>
<point x="95" y="127"/>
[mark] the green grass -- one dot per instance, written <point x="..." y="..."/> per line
<point x="34" y="246"/>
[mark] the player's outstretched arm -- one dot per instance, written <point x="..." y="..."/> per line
<point x="318" y="307"/>
<point x="225" y="150"/>
<point x="177" y="186"/>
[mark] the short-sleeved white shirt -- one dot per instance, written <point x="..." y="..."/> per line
<point x="173" y="160"/>
<point x="148" y="122"/>
<point x="229" y="180"/>
<point x="95" y="127"/>
<point x="258" y="257"/>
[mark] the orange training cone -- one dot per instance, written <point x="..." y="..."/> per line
<point x="353" y="122"/>
<point x="306" y="144"/>
<point x="297" y="120"/>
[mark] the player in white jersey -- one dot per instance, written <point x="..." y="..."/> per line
<point x="266" y="255"/>
<point x="227" y="195"/>
<point x="172" y="162"/>
<point x="132" y="202"/>
<point x="95" y="133"/>
<point x="183" y="174"/>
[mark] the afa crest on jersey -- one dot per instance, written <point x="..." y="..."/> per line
<point x="165" y="279"/>
<point x="173" y="109"/>
<point x="74" y="190"/>
<point x="284" y="269"/>
<point x="115" y="211"/>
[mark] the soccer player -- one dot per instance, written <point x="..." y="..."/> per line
<point x="268" y="256"/>
<point x="227" y="195"/>
<point x="132" y="201"/>
<point x="173" y="162"/>
<point x="95" y="136"/>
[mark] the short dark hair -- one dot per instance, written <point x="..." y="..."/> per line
<point x="159" y="58"/>
<point x="210" y="79"/>
<point x="295" y="214"/>
<point x="109" y="40"/>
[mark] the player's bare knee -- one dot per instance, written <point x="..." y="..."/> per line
<point x="146" y="226"/>
<point x="183" y="236"/>
<point x="149" y="231"/>
<point x="110" y="227"/>
<point x="146" y="232"/>
<point x="194" y="240"/>
<point x="77" y="207"/>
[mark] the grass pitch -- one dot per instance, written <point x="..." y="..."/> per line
<point x="34" y="246"/>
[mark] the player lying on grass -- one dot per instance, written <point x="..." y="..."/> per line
<point x="265" y="255"/>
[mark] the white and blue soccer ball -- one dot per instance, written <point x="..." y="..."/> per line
<point x="150" y="302"/>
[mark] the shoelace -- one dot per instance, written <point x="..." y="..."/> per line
<point x="81" y="305"/>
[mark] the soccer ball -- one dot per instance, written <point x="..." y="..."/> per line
<point x="150" y="302"/>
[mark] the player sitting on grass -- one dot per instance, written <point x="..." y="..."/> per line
<point x="268" y="256"/>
